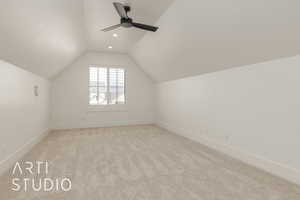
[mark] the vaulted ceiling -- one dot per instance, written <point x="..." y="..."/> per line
<point x="42" y="36"/>
<point x="200" y="36"/>
<point x="195" y="36"/>
<point x="100" y="14"/>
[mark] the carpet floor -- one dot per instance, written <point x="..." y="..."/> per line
<point x="140" y="163"/>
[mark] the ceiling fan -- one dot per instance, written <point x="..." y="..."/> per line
<point x="126" y="21"/>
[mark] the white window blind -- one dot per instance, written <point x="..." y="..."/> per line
<point x="107" y="86"/>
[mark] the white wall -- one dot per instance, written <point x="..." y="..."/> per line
<point x="253" y="109"/>
<point x="70" y="95"/>
<point x="23" y="116"/>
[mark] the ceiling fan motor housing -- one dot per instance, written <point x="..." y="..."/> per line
<point x="127" y="9"/>
<point x="126" y="22"/>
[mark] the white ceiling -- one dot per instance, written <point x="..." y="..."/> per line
<point x="200" y="36"/>
<point x="100" y="14"/>
<point x="42" y="36"/>
<point x="195" y="36"/>
<point x="45" y="36"/>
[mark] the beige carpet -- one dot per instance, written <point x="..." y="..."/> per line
<point x="144" y="163"/>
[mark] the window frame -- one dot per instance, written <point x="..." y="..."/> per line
<point x="108" y="107"/>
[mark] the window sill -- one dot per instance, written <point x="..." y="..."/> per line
<point x="107" y="108"/>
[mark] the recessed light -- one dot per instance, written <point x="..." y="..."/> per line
<point x="115" y="35"/>
<point x="110" y="47"/>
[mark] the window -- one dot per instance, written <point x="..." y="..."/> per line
<point x="107" y="86"/>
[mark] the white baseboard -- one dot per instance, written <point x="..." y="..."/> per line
<point x="7" y="163"/>
<point x="275" y="168"/>
<point x="104" y="124"/>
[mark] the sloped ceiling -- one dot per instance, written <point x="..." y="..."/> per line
<point x="100" y="14"/>
<point x="195" y="36"/>
<point x="200" y="36"/>
<point x="41" y="36"/>
<point x="45" y="36"/>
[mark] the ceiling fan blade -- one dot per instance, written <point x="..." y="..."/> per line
<point x="121" y="10"/>
<point x="145" y="27"/>
<point x="111" y="28"/>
